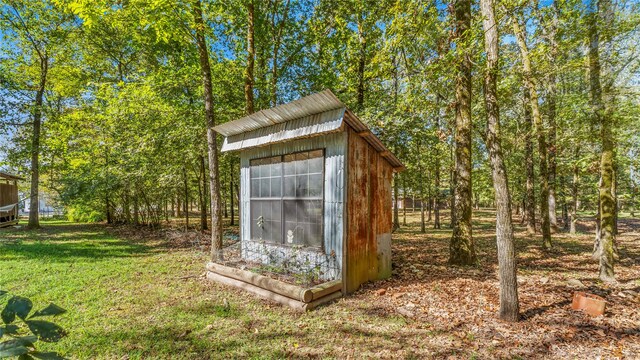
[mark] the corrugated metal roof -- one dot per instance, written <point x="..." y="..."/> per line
<point x="9" y="176"/>
<point x="311" y="115"/>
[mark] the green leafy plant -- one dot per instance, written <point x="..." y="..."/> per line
<point x="22" y="328"/>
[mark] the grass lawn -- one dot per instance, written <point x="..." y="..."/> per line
<point x="134" y="296"/>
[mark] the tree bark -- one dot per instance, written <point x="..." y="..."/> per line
<point x="251" y="55"/>
<point x="436" y="173"/>
<point x="396" y="215"/>
<point x="531" y="86"/>
<point x="34" y="200"/>
<point x="530" y="197"/>
<point x="362" y="61"/>
<point x="203" y="198"/>
<point x="602" y="116"/>
<point x="274" y="59"/>
<point x="214" y="180"/>
<point x="509" y="306"/>
<point x="574" y="194"/>
<point x="461" y="249"/>
<point x="231" y="207"/>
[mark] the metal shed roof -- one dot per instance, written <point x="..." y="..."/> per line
<point x="311" y="115"/>
<point x="4" y="175"/>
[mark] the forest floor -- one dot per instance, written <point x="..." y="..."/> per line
<point x="137" y="293"/>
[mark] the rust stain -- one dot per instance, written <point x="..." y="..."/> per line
<point x="368" y="209"/>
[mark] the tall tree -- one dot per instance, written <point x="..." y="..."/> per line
<point x="602" y="116"/>
<point x="529" y="197"/>
<point x="531" y="87"/>
<point x="509" y="307"/>
<point x="214" y="180"/>
<point x="461" y="249"/>
<point x="37" y="30"/>
<point x="251" y="56"/>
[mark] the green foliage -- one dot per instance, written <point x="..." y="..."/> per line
<point x="21" y="331"/>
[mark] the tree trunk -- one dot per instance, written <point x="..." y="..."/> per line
<point x="461" y="250"/>
<point x="251" y="55"/>
<point x="396" y="216"/>
<point x="436" y="173"/>
<point x="232" y="210"/>
<point x="602" y="116"/>
<point x="186" y="198"/>
<point x="530" y="197"/>
<point x="404" y="201"/>
<point x="420" y="187"/>
<point x="214" y="180"/>
<point x="551" y="115"/>
<point x="34" y="200"/>
<point x="362" y="61"/>
<point x="203" y="198"/>
<point x="274" y="59"/>
<point x="509" y="306"/>
<point x="531" y="86"/>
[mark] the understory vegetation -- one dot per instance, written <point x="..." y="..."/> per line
<point x="140" y="294"/>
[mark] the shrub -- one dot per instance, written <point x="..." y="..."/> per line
<point x="22" y="328"/>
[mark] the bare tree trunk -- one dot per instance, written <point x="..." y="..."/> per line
<point x="509" y="305"/>
<point x="436" y="174"/>
<point x="214" y="180"/>
<point x="251" y="55"/>
<point x="186" y="197"/>
<point x="542" y="143"/>
<point x="602" y="115"/>
<point x="34" y="200"/>
<point x="396" y="216"/>
<point x="404" y="201"/>
<point x="461" y="248"/>
<point x="203" y="198"/>
<point x="233" y="215"/>
<point x="530" y="198"/>
<point x="574" y="193"/>
<point x="421" y="187"/>
<point x="274" y="59"/>
<point x="362" y="61"/>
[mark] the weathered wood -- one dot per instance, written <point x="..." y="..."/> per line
<point x="264" y="293"/>
<point x="325" y="289"/>
<point x="323" y="300"/>
<point x="279" y="287"/>
<point x="270" y="295"/>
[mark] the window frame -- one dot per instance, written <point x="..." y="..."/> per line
<point x="282" y="199"/>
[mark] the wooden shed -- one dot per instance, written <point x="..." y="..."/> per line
<point x="8" y="199"/>
<point x="315" y="190"/>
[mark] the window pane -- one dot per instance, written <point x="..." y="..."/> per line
<point x="302" y="165"/>
<point x="289" y="165"/>
<point x="315" y="165"/>
<point x="265" y="220"/>
<point x="265" y="187"/>
<point x="276" y="169"/>
<point x="276" y="190"/>
<point x="303" y="222"/>
<point x="315" y="185"/>
<point x="290" y="186"/>
<point x="302" y="186"/>
<point x="255" y="188"/>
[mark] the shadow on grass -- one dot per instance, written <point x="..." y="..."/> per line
<point x="66" y="243"/>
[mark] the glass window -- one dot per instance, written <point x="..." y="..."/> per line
<point x="287" y="197"/>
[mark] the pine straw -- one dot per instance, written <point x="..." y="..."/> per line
<point x="459" y="305"/>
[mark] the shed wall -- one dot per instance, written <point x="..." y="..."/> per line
<point x="335" y="145"/>
<point x="8" y="193"/>
<point x="369" y="220"/>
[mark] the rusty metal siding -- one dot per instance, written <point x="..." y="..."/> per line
<point x="368" y="213"/>
<point x="334" y="184"/>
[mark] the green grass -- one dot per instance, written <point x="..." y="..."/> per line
<point x="146" y="300"/>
